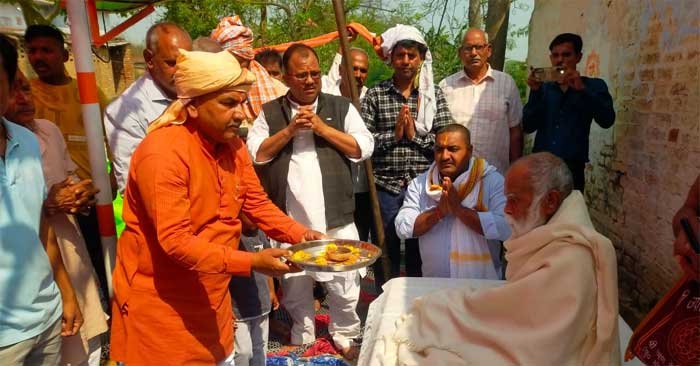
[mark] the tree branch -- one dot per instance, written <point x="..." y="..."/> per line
<point x="475" y="18"/>
<point x="286" y="8"/>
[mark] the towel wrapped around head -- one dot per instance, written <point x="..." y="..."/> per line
<point x="236" y="38"/>
<point x="427" y="102"/>
<point x="201" y="73"/>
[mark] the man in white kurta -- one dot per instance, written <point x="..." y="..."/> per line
<point x="332" y="83"/>
<point x="559" y="305"/>
<point x="460" y="237"/>
<point x="304" y="186"/>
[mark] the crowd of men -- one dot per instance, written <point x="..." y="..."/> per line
<point x="226" y="157"/>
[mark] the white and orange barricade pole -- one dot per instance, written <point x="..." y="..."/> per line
<point x="92" y="120"/>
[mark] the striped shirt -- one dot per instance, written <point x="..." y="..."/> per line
<point x="396" y="163"/>
<point x="488" y="108"/>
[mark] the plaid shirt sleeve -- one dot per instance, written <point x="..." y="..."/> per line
<point x="442" y="118"/>
<point x="383" y="140"/>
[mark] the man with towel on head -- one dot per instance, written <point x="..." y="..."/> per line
<point x="188" y="181"/>
<point x="403" y="113"/>
<point x="236" y="38"/>
<point x="559" y="305"/>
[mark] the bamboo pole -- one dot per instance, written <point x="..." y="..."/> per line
<point x="339" y="10"/>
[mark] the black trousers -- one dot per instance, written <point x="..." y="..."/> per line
<point x="390" y="203"/>
<point x="364" y="217"/>
<point x="91" y="233"/>
<point x="577" y="169"/>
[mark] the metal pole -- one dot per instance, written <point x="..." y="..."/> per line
<point x="92" y="120"/>
<point x="339" y="10"/>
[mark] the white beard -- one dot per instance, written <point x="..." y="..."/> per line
<point x="533" y="219"/>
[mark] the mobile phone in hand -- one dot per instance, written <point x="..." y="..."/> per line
<point x="545" y="74"/>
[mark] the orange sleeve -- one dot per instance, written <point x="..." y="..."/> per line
<point x="259" y="209"/>
<point x="163" y="187"/>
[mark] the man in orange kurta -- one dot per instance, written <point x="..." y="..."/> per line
<point x="188" y="181"/>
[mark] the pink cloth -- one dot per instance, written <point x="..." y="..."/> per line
<point x="236" y="38"/>
<point x="265" y="88"/>
<point x="57" y="166"/>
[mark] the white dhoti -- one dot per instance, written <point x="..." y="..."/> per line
<point x="343" y="294"/>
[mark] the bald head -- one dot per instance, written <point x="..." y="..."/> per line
<point x="359" y="52"/>
<point x="535" y="187"/>
<point x="206" y="44"/>
<point x="360" y="69"/>
<point x="162" y="43"/>
<point x="546" y="172"/>
<point x="167" y="32"/>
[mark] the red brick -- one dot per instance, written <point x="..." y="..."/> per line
<point x="642" y="90"/>
<point x="664" y="73"/>
<point x="681" y="104"/>
<point x="687" y="73"/>
<point x="662" y="87"/>
<point x="673" y="135"/>
<point x="673" y="56"/>
<point x="661" y="104"/>
<point x="644" y="104"/>
<point x="650" y="58"/>
<point x="679" y="89"/>
<point x="660" y="119"/>
<point x="646" y="75"/>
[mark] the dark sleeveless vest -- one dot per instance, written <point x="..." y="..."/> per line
<point x="335" y="167"/>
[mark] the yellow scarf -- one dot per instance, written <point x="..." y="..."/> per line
<point x="475" y="174"/>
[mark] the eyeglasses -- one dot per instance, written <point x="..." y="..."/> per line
<point x="469" y="48"/>
<point x="303" y="76"/>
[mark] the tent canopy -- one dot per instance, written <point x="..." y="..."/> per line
<point x="93" y="6"/>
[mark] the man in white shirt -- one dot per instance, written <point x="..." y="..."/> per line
<point x="333" y="83"/>
<point x="487" y="102"/>
<point x="127" y="118"/>
<point x="456" y="209"/>
<point x="303" y="144"/>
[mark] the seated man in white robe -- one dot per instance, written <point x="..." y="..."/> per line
<point x="559" y="305"/>
<point x="455" y="208"/>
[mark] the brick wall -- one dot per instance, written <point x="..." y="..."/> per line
<point x="640" y="170"/>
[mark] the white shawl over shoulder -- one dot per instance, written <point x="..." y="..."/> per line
<point x="559" y="306"/>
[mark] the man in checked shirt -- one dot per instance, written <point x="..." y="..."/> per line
<point x="403" y="113"/>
